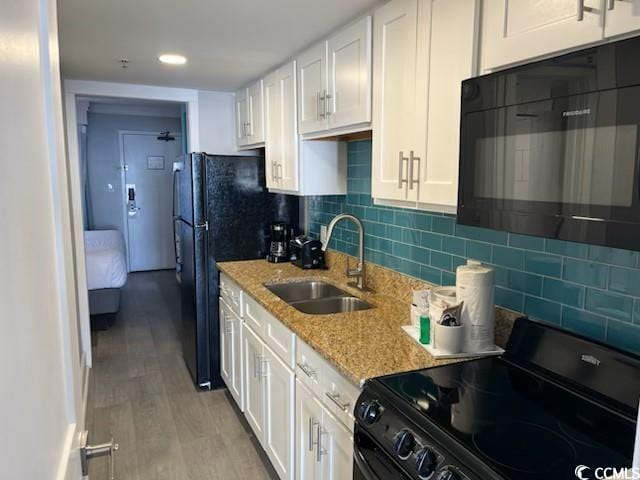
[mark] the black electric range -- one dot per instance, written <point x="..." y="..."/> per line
<point x="552" y="403"/>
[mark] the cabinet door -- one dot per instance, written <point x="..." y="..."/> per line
<point x="452" y="56"/>
<point x="288" y="167"/>
<point x="336" y="443"/>
<point x="279" y="387"/>
<point x="349" y="69"/>
<point x="253" y="389"/>
<point x="516" y="30"/>
<point x="308" y="417"/>
<point x="394" y="97"/>
<point x="237" y="370"/>
<point x="312" y="74"/>
<point x="621" y="17"/>
<point x="255" y="122"/>
<point x="225" y="344"/>
<point x="273" y="129"/>
<point x="242" y="116"/>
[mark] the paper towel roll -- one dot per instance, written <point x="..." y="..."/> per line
<point x="475" y="287"/>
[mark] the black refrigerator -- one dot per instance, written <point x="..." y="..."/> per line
<point x="222" y="211"/>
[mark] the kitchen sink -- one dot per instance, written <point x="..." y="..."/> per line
<point x="326" y="306"/>
<point x="307" y="290"/>
<point x="317" y="297"/>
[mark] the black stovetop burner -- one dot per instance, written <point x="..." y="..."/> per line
<point x="520" y="424"/>
<point x="553" y="402"/>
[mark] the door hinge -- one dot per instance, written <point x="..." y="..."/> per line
<point x="87" y="452"/>
<point x="204" y="225"/>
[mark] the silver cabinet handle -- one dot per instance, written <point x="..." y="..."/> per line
<point x="317" y="106"/>
<point x="327" y="108"/>
<point x="412" y="180"/>
<point x="312" y="426"/>
<point x="244" y="129"/>
<point x="249" y="129"/>
<point x="280" y="170"/>
<point x="323" y="104"/>
<point x="335" y="398"/>
<point x="401" y="160"/>
<point x="274" y="171"/>
<point x="582" y="8"/>
<point x="319" y="450"/>
<point x="255" y="365"/>
<point x="307" y="370"/>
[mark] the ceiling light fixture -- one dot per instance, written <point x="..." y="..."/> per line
<point x="172" y="59"/>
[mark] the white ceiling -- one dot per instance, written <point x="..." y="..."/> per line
<point x="227" y="42"/>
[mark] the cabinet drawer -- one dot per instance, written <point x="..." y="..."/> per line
<point x="280" y="339"/>
<point x="310" y="367"/>
<point x="335" y="392"/>
<point x="271" y="330"/>
<point x="340" y="395"/>
<point x="231" y="293"/>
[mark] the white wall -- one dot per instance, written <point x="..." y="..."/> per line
<point x="37" y="296"/>
<point x="217" y="128"/>
<point x="103" y="159"/>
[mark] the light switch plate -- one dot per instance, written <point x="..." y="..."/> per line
<point x="323" y="233"/>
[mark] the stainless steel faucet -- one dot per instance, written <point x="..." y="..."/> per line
<point x="359" y="272"/>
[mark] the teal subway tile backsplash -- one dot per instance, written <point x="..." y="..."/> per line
<point x="588" y="289"/>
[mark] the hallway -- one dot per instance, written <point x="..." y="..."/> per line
<point x="141" y="393"/>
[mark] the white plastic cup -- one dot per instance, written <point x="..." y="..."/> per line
<point x="449" y="339"/>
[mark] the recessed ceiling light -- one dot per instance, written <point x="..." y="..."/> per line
<point x="172" y="59"/>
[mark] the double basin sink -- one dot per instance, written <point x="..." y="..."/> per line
<point x="317" y="298"/>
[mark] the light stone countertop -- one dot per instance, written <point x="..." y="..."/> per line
<point x="361" y="345"/>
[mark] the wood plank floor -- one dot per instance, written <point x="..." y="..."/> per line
<point x="141" y="394"/>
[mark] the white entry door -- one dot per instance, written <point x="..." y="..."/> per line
<point x="149" y="200"/>
<point x="41" y="366"/>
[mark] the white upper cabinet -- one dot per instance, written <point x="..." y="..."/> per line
<point x="423" y="50"/>
<point x="334" y="83"/>
<point x="394" y="97"/>
<point x="312" y="88"/>
<point x="349" y="76"/>
<point x="517" y="30"/>
<point x="296" y="166"/>
<point x="242" y="117"/>
<point x="452" y="45"/>
<point x="250" y="116"/>
<point x="622" y="16"/>
<point x="255" y="130"/>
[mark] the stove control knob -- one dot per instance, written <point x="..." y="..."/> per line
<point x="448" y="474"/>
<point x="370" y="412"/>
<point x="426" y="463"/>
<point x="404" y="444"/>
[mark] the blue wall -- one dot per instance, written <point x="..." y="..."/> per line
<point x="589" y="289"/>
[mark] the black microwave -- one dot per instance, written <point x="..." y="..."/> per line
<point x="552" y="148"/>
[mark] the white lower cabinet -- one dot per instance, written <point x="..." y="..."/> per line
<point x="254" y="410"/>
<point x="324" y="446"/>
<point x="298" y="406"/>
<point x="279" y="390"/>
<point x="231" y="352"/>
<point x="269" y="393"/>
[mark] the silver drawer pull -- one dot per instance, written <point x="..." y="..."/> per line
<point x="335" y="398"/>
<point x="308" y="371"/>
<point x="401" y="178"/>
<point x="320" y="451"/>
<point x="312" y="426"/>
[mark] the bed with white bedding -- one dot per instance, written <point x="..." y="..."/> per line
<point x="106" y="265"/>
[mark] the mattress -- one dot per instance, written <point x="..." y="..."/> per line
<point x="105" y="259"/>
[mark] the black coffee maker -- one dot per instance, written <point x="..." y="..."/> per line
<point x="280" y="235"/>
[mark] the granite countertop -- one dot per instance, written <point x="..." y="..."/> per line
<point x="361" y="345"/>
